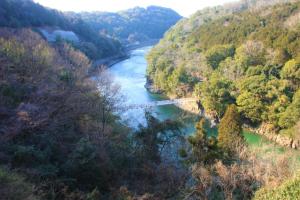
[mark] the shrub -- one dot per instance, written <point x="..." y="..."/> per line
<point x="14" y="187"/>
<point x="289" y="190"/>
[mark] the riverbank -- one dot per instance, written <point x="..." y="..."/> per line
<point x="110" y="61"/>
<point x="137" y="45"/>
<point x="130" y="74"/>
<point x="264" y="130"/>
<point x="267" y="132"/>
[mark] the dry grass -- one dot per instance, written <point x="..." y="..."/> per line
<point x="252" y="169"/>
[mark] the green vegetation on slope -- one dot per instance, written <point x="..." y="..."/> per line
<point x="230" y="129"/>
<point x="289" y="190"/>
<point x="232" y="54"/>
<point x="132" y="25"/>
<point x="245" y="54"/>
<point x="14" y="187"/>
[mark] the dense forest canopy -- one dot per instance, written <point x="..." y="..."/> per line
<point x="61" y="133"/>
<point x="132" y="25"/>
<point x="242" y="53"/>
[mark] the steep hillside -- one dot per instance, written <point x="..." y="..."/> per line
<point x="60" y="133"/>
<point x="133" y="25"/>
<point x="290" y="189"/>
<point x="240" y="53"/>
<point x="26" y="13"/>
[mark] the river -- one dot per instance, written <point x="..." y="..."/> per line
<point x="130" y="74"/>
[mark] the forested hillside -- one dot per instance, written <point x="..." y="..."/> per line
<point x="132" y="25"/>
<point x="60" y="131"/>
<point x="243" y="53"/>
<point x="60" y="134"/>
<point x="26" y="13"/>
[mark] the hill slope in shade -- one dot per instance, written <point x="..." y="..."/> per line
<point x="133" y="25"/>
<point x="26" y="13"/>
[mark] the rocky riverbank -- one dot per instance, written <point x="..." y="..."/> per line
<point x="150" y="87"/>
<point x="266" y="131"/>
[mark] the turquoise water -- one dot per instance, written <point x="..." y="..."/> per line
<point x="130" y="75"/>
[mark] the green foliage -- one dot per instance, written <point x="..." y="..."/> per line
<point x="66" y="76"/>
<point x="217" y="54"/>
<point x="230" y="129"/>
<point x="254" y="52"/>
<point x="250" y="106"/>
<point x="288" y="190"/>
<point x="132" y="25"/>
<point x="204" y="148"/>
<point x="82" y="165"/>
<point x="292" y="114"/>
<point x="215" y="95"/>
<point x="28" y="156"/>
<point x="155" y="136"/>
<point x="14" y="186"/>
<point x="232" y="68"/>
<point x="259" y="83"/>
<point x="291" y="71"/>
<point x="245" y="54"/>
<point x="177" y="82"/>
<point x="251" y="53"/>
<point x="94" y="195"/>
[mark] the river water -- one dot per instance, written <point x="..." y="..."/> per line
<point x="130" y="74"/>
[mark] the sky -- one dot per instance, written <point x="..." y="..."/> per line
<point x="183" y="7"/>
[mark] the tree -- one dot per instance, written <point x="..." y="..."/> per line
<point x="215" y="95"/>
<point x="232" y="69"/>
<point x="110" y="97"/>
<point x="230" y="129"/>
<point x="153" y="138"/>
<point x="177" y="78"/>
<point x="14" y="186"/>
<point x="252" y="53"/>
<point x="292" y="114"/>
<point x="252" y="97"/>
<point x="204" y="148"/>
<point x="219" y="53"/>
<point x="251" y="106"/>
<point x="291" y="71"/>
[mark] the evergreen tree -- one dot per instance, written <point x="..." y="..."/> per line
<point x="204" y="148"/>
<point x="230" y="129"/>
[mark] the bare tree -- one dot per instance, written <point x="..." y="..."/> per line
<point x="111" y="97"/>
